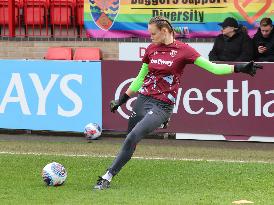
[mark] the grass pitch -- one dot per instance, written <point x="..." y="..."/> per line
<point x="142" y="181"/>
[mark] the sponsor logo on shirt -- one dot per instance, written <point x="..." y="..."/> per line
<point x="161" y="62"/>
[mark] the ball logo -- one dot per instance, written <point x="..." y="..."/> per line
<point x="104" y="12"/>
<point x="58" y="169"/>
<point x="129" y="102"/>
<point x="91" y="132"/>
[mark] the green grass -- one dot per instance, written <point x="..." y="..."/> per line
<point x="177" y="149"/>
<point x="140" y="182"/>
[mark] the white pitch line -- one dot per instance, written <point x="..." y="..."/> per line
<point x="142" y="158"/>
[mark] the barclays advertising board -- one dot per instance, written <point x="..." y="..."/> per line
<point x="50" y="95"/>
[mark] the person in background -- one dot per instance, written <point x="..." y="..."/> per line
<point x="233" y="44"/>
<point x="263" y="41"/>
<point x="157" y="84"/>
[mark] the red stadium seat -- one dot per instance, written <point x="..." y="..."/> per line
<point x="62" y="12"/>
<point x="87" y="54"/>
<point x="4" y="14"/>
<point x="62" y="17"/>
<point x="59" y="53"/>
<point x="36" y="17"/>
<point x="35" y="12"/>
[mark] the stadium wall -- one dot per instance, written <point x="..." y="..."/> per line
<point x="13" y="49"/>
<point x="36" y="48"/>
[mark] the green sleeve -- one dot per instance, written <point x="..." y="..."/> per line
<point x="218" y="69"/>
<point x="139" y="80"/>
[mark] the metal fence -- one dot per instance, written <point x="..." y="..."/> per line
<point x="42" y="18"/>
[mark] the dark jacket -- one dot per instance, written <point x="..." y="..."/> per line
<point x="258" y="40"/>
<point x="237" y="48"/>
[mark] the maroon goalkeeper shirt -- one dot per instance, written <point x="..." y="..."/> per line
<point x="166" y="64"/>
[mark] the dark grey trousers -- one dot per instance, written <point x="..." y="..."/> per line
<point x="148" y="114"/>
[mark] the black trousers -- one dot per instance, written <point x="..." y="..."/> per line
<point x="148" y="114"/>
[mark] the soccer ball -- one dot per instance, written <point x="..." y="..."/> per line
<point x="54" y="174"/>
<point x="92" y="131"/>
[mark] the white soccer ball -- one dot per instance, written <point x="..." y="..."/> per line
<point x="54" y="174"/>
<point x="92" y="131"/>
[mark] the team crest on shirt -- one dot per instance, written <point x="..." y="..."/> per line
<point x="155" y="53"/>
<point x="173" y="53"/>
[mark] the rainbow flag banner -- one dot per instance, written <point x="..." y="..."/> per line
<point x="190" y="18"/>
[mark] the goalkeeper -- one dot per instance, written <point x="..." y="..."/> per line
<point x="158" y="82"/>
